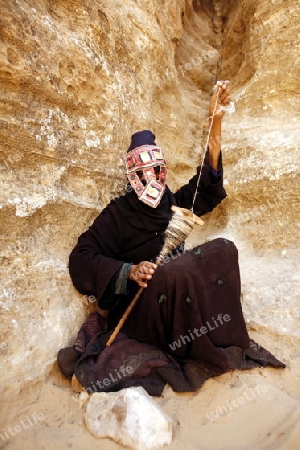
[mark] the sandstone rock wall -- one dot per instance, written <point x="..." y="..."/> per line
<point x="77" y="79"/>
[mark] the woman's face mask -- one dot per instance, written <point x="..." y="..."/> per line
<point x="146" y="171"/>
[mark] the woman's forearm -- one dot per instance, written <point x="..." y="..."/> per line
<point x="221" y="97"/>
<point x="214" y="142"/>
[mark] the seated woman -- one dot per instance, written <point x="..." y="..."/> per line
<point x="188" y="323"/>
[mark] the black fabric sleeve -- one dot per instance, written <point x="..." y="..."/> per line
<point x="90" y="270"/>
<point x="209" y="194"/>
<point x="117" y="288"/>
<point x="93" y="263"/>
<point x="109" y="298"/>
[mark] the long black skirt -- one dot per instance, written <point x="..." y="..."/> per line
<point x="187" y="326"/>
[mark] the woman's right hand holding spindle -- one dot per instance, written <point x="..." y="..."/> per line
<point x="142" y="272"/>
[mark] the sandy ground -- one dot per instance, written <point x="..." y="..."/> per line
<point x="267" y="417"/>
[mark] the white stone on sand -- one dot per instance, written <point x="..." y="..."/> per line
<point x="130" y="417"/>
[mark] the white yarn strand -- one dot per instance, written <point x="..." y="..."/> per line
<point x="206" y="144"/>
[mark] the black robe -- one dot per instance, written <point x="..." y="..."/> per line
<point x="188" y="324"/>
<point x="127" y="230"/>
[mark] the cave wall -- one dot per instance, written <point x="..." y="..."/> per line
<point x="77" y="79"/>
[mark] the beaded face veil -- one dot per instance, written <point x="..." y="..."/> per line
<point x="146" y="171"/>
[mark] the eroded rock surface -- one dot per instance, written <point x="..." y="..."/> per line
<point x="77" y="79"/>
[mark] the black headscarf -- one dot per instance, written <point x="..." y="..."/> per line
<point x="144" y="137"/>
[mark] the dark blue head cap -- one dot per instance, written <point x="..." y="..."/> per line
<point x="144" y="137"/>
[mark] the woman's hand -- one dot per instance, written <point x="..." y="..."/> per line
<point x="221" y="97"/>
<point x="142" y="272"/>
